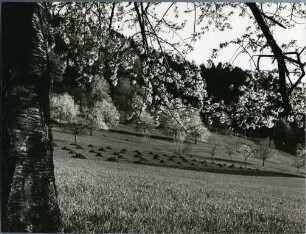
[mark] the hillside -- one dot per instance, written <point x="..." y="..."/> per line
<point x="107" y="191"/>
<point x="129" y="147"/>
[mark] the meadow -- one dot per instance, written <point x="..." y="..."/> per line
<point x="98" y="195"/>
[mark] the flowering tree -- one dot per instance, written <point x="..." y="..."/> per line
<point x="67" y="113"/>
<point x="102" y="116"/>
<point x="181" y="121"/>
<point x="138" y="106"/>
<point x="300" y="157"/>
<point x="174" y="127"/>
<point x="195" y="127"/>
<point x="247" y="152"/>
<point x="63" y="108"/>
<point x="145" y="124"/>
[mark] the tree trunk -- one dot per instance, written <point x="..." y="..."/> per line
<point x="277" y="52"/>
<point x="29" y="197"/>
<point x="30" y="200"/>
<point x="90" y="131"/>
<point x="263" y="162"/>
<point x="75" y="138"/>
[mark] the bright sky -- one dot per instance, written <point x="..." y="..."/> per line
<point x="210" y="40"/>
<point x="203" y="47"/>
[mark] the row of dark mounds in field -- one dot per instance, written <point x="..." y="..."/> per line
<point x="75" y="154"/>
<point x="164" y="138"/>
<point x="79" y="155"/>
<point x="225" y="169"/>
<point x="181" y="162"/>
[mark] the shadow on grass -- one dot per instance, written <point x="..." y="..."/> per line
<point x="216" y="159"/>
<point x="224" y="170"/>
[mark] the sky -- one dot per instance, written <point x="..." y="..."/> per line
<point x="210" y="40"/>
<point x="204" y="46"/>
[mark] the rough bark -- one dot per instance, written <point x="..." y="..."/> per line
<point x="31" y="194"/>
<point x="29" y="198"/>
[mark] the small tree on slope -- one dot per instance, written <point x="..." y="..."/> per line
<point x="265" y="150"/>
<point x="101" y="116"/>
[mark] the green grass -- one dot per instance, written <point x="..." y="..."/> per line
<point x="100" y="196"/>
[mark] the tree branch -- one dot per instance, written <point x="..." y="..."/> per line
<point x="273" y="20"/>
<point x="111" y="19"/>
<point x="142" y="26"/>
<point x="278" y="54"/>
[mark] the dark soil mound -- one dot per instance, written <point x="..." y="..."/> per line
<point x="111" y="159"/>
<point x="80" y="156"/>
<point x="156" y="156"/>
<point x="183" y="159"/>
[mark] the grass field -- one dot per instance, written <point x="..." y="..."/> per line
<point x="96" y="195"/>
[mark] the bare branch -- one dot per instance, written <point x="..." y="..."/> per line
<point x="273" y="20"/>
<point x="111" y="19"/>
<point x="195" y="18"/>
<point x="141" y="25"/>
<point x="277" y="52"/>
<point x="162" y="18"/>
